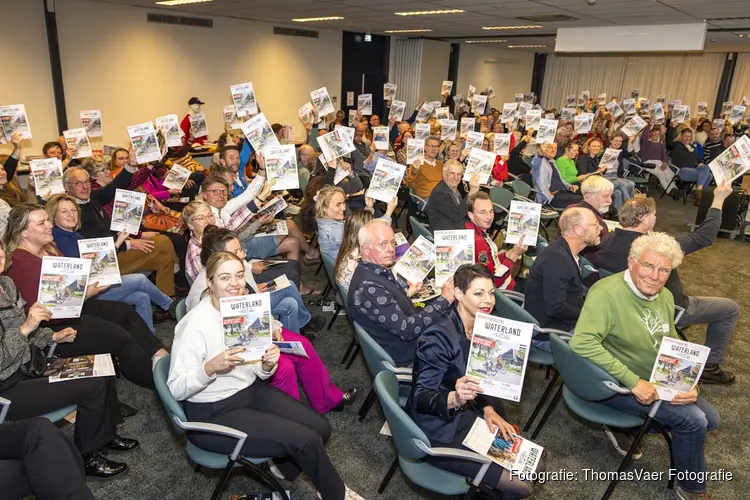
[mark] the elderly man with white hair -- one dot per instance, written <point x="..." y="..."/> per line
<point x="381" y="305"/>
<point x="447" y="208"/>
<point x="597" y="197"/>
<point x="620" y="329"/>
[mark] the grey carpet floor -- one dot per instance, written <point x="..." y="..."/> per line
<point x="160" y="468"/>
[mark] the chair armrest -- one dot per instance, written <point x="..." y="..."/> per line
<point x="616" y="387"/>
<point x="404" y="370"/>
<point x="512" y="176"/>
<point x="51" y="350"/>
<point x="4" y="407"/>
<point x="221" y="430"/>
<point x="404" y="378"/>
<point x="674" y="168"/>
<point x="522" y="198"/>
<point x="452" y="453"/>
<point x="515" y="296"/>
<point x="679" y="311"/>
<point x="590" y="269"/>
<point x="501" y="208"/>
<point x="561" y="333"/>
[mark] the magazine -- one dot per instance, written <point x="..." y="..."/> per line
<point x="614" y="109"/>
<point x="612" y="225"/>
<point x="657" y="112"/>
<point x="243" y="96"/>
<point x="88" y="366"/>
<point x="501" y="145"/>
<point x="499" y="354"/>
<point x="281" y="166"/>
<point x="601" y="99"/>
<point x="634" y="125"/>
<point x="91" y="122"/>
<point x="547" y="131"/>
<point x="718" y="123"/>
<point x="268" y="262"/>
<point x="628" y="105"/>
<point x="424" y="112"/>
<point x="380" y="137"/>
<point x="274" y="228"/>
<point x="422" y="131"/>
<point x="467" y="125"/>
<point x="102" y="253"/>
<point x="276" y="284"/>
<point x="231" y="119"/>
<point x="170" y="128"/>
<point x="364" y="104"/>
<point x="446" y="88"/>
<point x="726" y="107"/>
<point x="583" y="123"/>
<point x="523" y="222"/>
<point x="352" y="117"/>
<point x="610" y="161"/>
<point x="414" y="151"/>
<point x="509" y="112"/>
<point x="480" y="163"/>
<point x="258" y="131"/>
<point x="62" y="285"/>
<point x="568" y="114"/>
<point x="452" y="249"/>
<point x="470" y="94"/>
<point x="634" y="94"/>
<point x="272" y="207"/>
<point x="176" y="177"/>
<point x="77" y="138"/>
<point x="448" y="129"/>
<point x="198" y="125"/>
<point x="429" y="291"/>
<point x="673" y="104"/>
<point x="386" y="180"/>
<point x="586" y="94"/>
<point x="520" y="455"/>
<point x="247" y="323"/>
<point x="679" y="114"/>
<point x="306" y="114"/>
<point x="143" y="138"/>
<point x="14" y="121"/>
<point x="745" y="101"/>
<point x="335" y="144"/>
<point x="127" y="211"/>
<point x="643" y="105"/>
<point x="570" y="101"/>
<point x="47" y="176"/>
<point x="474" y="140"/>
<point x="518" y="97"/>
<point x="442" y="113"/>
<point x="738" y="112"/>
<point x="322" y="100"/>
<point x="678" y="367"/>
<point x="478" y="104"/>
<point x="733" y="162"/>
<point x="396" y="112"/>
<point x="340" y="174"/>
<point x="532" y="118"/>
<point x="294" y="348"/>
<point x="580" y="101"/>
<point x="702" y="109"/>
<point x="458" y="101"/>
<point x="662" y="99"/>
<point x="389" y="91"/>
<point x="417" y="262"/>
<point x="402" y="244"/>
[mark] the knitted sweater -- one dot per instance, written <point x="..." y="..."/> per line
<point x="567" y="169"/>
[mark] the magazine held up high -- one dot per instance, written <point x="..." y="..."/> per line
<point x="102" y="253"/>
<point x="417" y="262"/>
<point x="322" y="100"/>
<point x="14" y="121"/>
<point x="170" y="128"/>
<point x="91" y="122"/>
<point x="247" y="323"/>
<point x="414" y="150"/>
<point x="143" y="138"/>
<point x="231" y="119"/>
<point x="176" y="178"/>
<point x="47" y="175"/>
<point x="259" y="132"/>
<point x="733" y="162"/>
<point x="243" y="96"/>
<point x="678" y="367"/>
<point x="77" y="138"/>
<point x="281" y="166"/>
<point x="452" y="249"/>
<point x="480" y="163"/>
<point x="127" y="211"/>
<point x="386" y="180"/>
<point x="62" y="285"/>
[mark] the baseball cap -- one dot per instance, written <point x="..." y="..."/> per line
<point x="195" y="100"/>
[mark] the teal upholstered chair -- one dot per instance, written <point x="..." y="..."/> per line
<point x="180" y="310"/>
<point x="53" y="416"/>
<point x="329" y="264"/>
<point x="201" y="457"/>
<point x="418" y="229"/>
<point x="533" y="252"/>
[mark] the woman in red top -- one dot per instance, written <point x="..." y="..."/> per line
<point x="500" y="169"/>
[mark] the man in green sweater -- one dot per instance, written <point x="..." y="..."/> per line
<point x="620" y="329"/>
<point x="566" y="164"/>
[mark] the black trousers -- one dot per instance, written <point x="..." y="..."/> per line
<point x="277" y="426"/>
<point x="37" y="459"/>
<point x="115" y="328"/>
<point x="98" y="407"/>
<point x="291" y="268"/>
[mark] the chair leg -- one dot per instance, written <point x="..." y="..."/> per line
<point x="365" y="408"/>
<point x="349" y="349"/>
<point x="265" y="476"/>
<point x="668" y="439"/>
<point x="325" y="292"/>
<point x="388" y="476"/>
<point x="548" y="412"/>
<point x="626" y="461"/>
<point x="546" y="375"/>
<point x="197" y="468"/>
<point x="541" y="402"/>
<point x="222" y="484"/>
<point x="666" y="190"/>
<point x="335" y="315"/>
<point x="354" y="356"/>
<point x="681" y="334"/>
<point x="470" y="494"/>
<point x="320" y="266"/>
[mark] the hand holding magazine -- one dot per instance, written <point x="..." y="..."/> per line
<point x="243" y="96"/>
<point x="62" y="285"/>
<point x="47" y="176"/>
<point x="281" y="166"/>
<point x="679" y="365"/>
<point x="733" y="162"/>
<point x="102" y="253"/>
<point x="176" y="178"/>
<point x="417" y="262"/>
<point x="514" y="454"/>
<point x="386" y="180"/>
<point x="77" y="138"/>
<point x="127" y="211"/>
<point x="247" y="322"/>
<point x="452" y="249"/>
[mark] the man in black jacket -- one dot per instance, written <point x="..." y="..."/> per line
<point x="554" y="291"/>
<point x="447" y="208"/>
<point x="638" y="216"/>
<point x="692" y="167"/>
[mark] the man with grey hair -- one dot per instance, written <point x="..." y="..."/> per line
<point x="597" y="197"/>
<point x="552" y="188"/>
<point x="621" y="328"/>
<point x="554" y="290"/>
<point x="447" y="208"/>
<point x="381" y="305"/>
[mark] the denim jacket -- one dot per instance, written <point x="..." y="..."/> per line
<point x="330" y="236"/>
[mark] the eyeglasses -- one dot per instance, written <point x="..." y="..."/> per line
<point x="121" y="158"/>
<point x="649" y="268"/>
<point x="201" y="218"/>
<point x="80" y="184"/>
<point x="217" y="192"/>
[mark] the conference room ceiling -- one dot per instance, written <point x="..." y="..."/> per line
<point x="727" y="19"/>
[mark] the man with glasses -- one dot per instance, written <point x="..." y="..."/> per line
<point x="423" y="176"/>
<point x="554" y="290"/>
<point x="621" y="328"/>
<point x="148" y="254"/>
<point x="380" y="305"/>
<point x="638" y="217"/>
<point x="447" y="210"/>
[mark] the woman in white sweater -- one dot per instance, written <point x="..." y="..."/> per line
<point x="217" y="387"/>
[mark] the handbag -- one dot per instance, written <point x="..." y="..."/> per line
<point x="37" y="365"/>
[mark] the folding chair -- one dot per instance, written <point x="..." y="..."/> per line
<point x="689" y="180"/>
<point x="417" y="229"/>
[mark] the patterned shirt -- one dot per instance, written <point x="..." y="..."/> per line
<point x="193" y="259"/>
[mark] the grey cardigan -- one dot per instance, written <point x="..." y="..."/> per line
<point x="14" y="345"/>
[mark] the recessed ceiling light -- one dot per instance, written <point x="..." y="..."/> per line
<point x="485" y="41"/>
<point x="411" y="31"/>
<point x="526" y="46"/>
<point x="530" y="26"/>
<point x="316" y="19"/>
<point x="172" y="3"/>
<point x="429" y="12"/>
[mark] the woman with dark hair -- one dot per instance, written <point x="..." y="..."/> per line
<point x="444" y="402"/>
<point x="11" y="193"/>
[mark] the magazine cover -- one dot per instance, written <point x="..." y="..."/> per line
<point x="726" y="107"/>
<point x="386" y="180"/>
<point x="306" y="114"/>
<point x="352" y="117"/>
<point x="644" y="104"/>
<point x="77" y="138"/>
<point x="176" y="177"/>
<point x="198" y="125"/>
<point x="580" y="101"/>
<point x="480" y="163"/>
<point x="601" y="99"/>
<point x="679" y="114"/>
<point x="231" y="119"/>
<point x="491" y="92"/>
<point x="583" y="123"/>
<point x="170" y="128"/>
<point x="402" y="244"/>
<point x="448" y="129"/>
<point x="547" y="131"/>
<point x="276" y="284"/>
<point x="633" y="126"/>
<point x="243" y="96"/>
<point x="458" y="101"/>
<point x="678" y="367"/>
<point x="91" y="122"/>
<point x="389" y="91"/>
<point x="47" y="175"/>
<point x="247" y="323"/>
<point x="478" y="104"/>
<point x="718" y="123"/>
<point x="397" y="111"/>
<point x="143" y="138"/>
<point x="89" y="366"/>
<point x="417" y="262"/>
<point x="258" y="131"/>
<point x="422" y="131"/>
<point x="610" y="160"/>
<point x="470" y="94"/>
<point x="446" y="88"/>
<point x="14" y="121"/>
<point x="452" y="249"/>
<point x="499" y="354"/>
<point x="294" y="348"/>
<point x="612" y="225"/>
<point x="738" y="112"/>
<point x="364" y="104"/>
<point x="442" y="113"/>
<point x="335" y="144"/>
<point x="532" y="118"/>
<point x="467" y="125"/>
<point x="568" y="114"/>
<point x="509" y="112"/>
<point x="628" y="105"/>
<point x="322" y="100"/>
<point x="661" y="98"/>
<point x="281" y="166"/>
<point x="674" y="103"/>
<point x="733" y="162"/>
<point x="103" y="256"/>
<point x="519" y="455"/>
<point x="414" y="151"/>
<point x="340" y="174"/>
<point x="425" y="111"/>
<point x="429" y="291"/>
<point x="614" y="109"/>
<point x="634" y="94"/>
<point x="570" y="101"/>
<point x="272" y="207"/>
<point x="657" y="112"/>
<point x="275" y="228"/>
<point x="702" y="109"/>
<point x="586" y="94"/>
<point x="127" y="211"/>
<point x="62" y="285"/>
<point x="523" y="222"/>
<point x="501" y="144"/>
<point x="474" y="140"/>
<point x="380" y="137"/>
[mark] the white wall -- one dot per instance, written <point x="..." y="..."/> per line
<point x="26" y="72"/>
<point x="508" y="71"/>
<point x="135" y="71"/>
<point x="433" y="69"/>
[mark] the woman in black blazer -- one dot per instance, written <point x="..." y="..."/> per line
<point x="444" y="402"/>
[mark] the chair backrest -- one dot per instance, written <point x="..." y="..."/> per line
<point x="582" y="377"/>
<point x="521" y="188"/>
<point x="4" y="407"/>
<point x="603" y="273"/>
<point x="173" y="407"/>
<point x="189" y="280"/>
<point x="329" y="264"/>
<point x="374" y="353"/>
<point x="507" y="308"/>
<point x="501" y="196"/>
<point x="403" y="428"/>
<point x="419" y="230"/>
<point x="180" y="310"/>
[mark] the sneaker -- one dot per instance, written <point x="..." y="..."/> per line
<point x="689" y="495"/>
<point x="622" y="443"/>
<point x="713" y="374"/>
